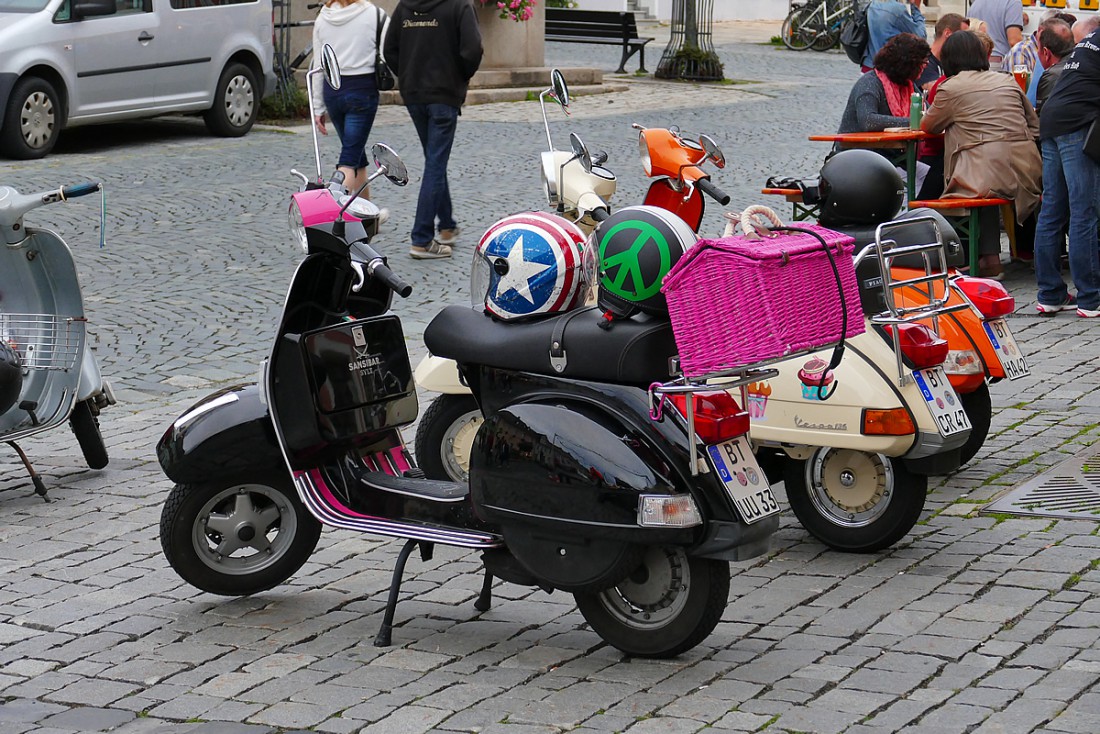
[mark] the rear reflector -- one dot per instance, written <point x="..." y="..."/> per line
<point x="893" y="422"/>
<point x="988" y="296"/>
<point x="668" y="511"/>
<point x="718" y="417"/>
<point x="963" y="362"/>
<point x="920" y="344"/>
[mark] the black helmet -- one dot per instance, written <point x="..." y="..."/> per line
<point x="11" y="376"/>
<point x="859" y="187"/>
<point x="630" y="255"/>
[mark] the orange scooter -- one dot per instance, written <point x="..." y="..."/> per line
<point x="675" y="163"/>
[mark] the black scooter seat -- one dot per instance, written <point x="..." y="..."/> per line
<point x="633" y="351"/>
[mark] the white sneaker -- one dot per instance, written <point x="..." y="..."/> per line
<point x="431" y="251"/>
<point x="383" y="216"/>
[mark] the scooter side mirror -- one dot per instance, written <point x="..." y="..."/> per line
<point x="390" y="164"/>
<point x="330" y="67"/>
<point x="712" y="150"/>
<point x="558" y="88"/>
<point x="580" y="152"/>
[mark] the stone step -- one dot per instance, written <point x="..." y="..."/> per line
<point x="517" y="94"/>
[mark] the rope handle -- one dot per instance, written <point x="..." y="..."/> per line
<point x="756" y="221"/>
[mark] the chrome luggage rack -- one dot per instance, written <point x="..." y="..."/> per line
<point x="43" y="341"/>
<point x="726" y="380"/>
<point x="934" y="258"/>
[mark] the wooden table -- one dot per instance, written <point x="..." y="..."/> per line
<point x="904" y="141"/>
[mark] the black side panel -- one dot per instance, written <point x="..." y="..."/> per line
<point x="227" y="434"/>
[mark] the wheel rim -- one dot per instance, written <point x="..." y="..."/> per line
<point x="458" y="444"/>
<point x="244" y="529"/>
<point x="36" y="119"/>
<point x="239" y="100"/>
<point x="850" y="488"/>
<point x="654" y="594"/>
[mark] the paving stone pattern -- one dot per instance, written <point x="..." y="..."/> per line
<point x="969" y="624"/>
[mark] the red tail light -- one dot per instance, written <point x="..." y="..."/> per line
<point x="920" y="344"/>
<point x="718" y="417"/>
<point x="990" y="297"/>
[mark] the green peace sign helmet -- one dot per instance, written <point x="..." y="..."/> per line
<point x="633" y="251"/>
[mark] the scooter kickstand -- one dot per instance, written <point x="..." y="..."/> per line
<point x="383" y="637"/>
<point x="39" y="485"/>
<point x="485" y="598"/>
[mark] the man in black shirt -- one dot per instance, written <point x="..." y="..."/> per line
<point x="945" y="26"/>
<point x="1071" y="186"/>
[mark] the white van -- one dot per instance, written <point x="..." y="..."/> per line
<point x="65" y="63"/>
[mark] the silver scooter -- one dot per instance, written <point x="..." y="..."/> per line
<point x="48" y="374"/>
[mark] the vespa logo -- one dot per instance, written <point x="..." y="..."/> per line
<point x="364" y="360"/>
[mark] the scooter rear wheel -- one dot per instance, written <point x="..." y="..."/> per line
<point x="234" y="538"/>
<point x="669" y="604"/>
<point x="979" y="409"/>
<point x="854" y="501"/>
<point x="85" y="427"/>
<point x="445" y="437"/>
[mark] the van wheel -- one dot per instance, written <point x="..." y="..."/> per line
<point x="235" y="103"/>
<point x="32" y="119"/>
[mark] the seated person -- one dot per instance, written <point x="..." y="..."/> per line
<point x="880" y="98"/>
<point x="989" y="139"/>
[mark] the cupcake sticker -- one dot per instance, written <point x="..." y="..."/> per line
<point x="817" y="379"/>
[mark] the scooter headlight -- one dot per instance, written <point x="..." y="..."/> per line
<point x="643" y="152"/>
<point x="297" y="226"/>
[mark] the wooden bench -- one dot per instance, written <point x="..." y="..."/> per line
<point x="607" y="27"/>
<point x="802" y="210"/>
<point x="963" y="214"/>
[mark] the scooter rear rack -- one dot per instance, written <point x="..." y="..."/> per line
<point x="936" y="273"/>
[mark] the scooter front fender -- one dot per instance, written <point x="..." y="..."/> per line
<point x="226" y="434"/>
<point x="438" y="374"/>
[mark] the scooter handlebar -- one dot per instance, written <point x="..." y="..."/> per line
<point x="71" y="192"/>
<point x="707" y="187"/>
<point x="364" y="253"/>
<point x="600" y="214"/>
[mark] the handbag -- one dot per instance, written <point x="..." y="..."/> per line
<point x="383" y="77"/>
<point x="1091" y="146"/>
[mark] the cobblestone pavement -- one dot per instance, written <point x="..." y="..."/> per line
<point x="969" y="624"/>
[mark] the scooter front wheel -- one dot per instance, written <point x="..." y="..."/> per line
<point x="667" y="605"/>
<point x="854" y="501"/>
<point x="85" y="427"/>
<point x="445" y="437"/>
<point x="237" y="539"/>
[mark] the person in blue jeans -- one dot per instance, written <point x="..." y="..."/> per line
<point x="350" y="27"/>
<point x="434" y="47"/>
<point x="1071" y="187"/>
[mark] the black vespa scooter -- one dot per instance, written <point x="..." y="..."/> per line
<point x="573" y="485"/>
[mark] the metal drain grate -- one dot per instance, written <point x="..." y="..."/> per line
<point x="1069" y="490"/>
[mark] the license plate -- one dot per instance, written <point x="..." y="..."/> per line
<point x="942" y="401"/>
<point x="742" y="478"/>
<point x="1008" y="351"/>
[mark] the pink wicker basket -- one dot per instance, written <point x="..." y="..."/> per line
<point x="737" y="301"/>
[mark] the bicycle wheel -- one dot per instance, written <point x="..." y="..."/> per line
<point x="826" y="39"/>
<point x="794" y="31"/>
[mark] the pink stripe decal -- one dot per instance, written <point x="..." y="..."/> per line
<point x="400" y="460"/>
<point x="328" y="498"/>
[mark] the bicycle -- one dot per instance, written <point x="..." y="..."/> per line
<point x="816" y="24"/>
<point x="286" y="67"/>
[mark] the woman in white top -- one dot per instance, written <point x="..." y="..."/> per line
<point x="351" y="28"/>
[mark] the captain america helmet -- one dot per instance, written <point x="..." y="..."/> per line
<point x="528" y="265"/>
